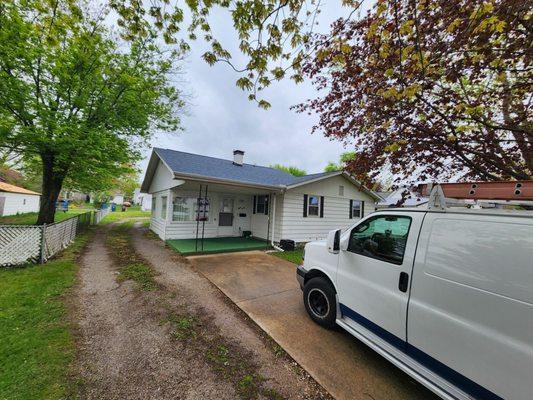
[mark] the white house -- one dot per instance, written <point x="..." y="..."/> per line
<point x="142" y="199"/>
<point x="411" y="199"/>
<point x="17" y="200"/>
<point x="192" y="194"/>
<point x="117" y="199"/>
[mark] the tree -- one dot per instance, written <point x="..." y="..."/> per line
<point x="291" y="170"/>
<point x="127" y="183"/>
<point x="272" y="34"/>
<point x="344" y="160"/>
<point x="430" y="89"/>
<point x="77" y="103"/>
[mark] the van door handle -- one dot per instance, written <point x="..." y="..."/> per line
<point x="404" y="281"/>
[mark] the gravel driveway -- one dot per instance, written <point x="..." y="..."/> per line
<point x="129" y="349"/>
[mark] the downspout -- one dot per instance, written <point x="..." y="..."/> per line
<point x="274" y="225"/>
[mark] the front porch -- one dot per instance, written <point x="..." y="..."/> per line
<point x="187" y="247"/>
<point x="221" y="216"/>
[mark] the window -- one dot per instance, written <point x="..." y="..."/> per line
<point x="382" y="237"/>
<point x="341" y="190"/>
<point x="261" y="205"/>
<point x="186" y="209"/>
<point x="163" y="207"/>
<point x="313" y="206"/>
<point x="154" y="199"/>
<point x="24" y="202"/>
<point x="356" y="209"/>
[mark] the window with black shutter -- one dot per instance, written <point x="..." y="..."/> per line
<point x="356" y="208"/>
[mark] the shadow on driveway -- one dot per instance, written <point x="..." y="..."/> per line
<point x="265" y="288"/>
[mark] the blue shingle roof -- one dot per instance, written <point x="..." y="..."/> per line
<point x="182" y="163"/>
<point x="187" y="163"/>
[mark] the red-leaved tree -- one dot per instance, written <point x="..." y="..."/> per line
<point x="434" y="89"/>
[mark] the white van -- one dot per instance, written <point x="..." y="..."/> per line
<point x="445" y="295"/>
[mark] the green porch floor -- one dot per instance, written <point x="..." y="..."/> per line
<point x="187" y="247"/>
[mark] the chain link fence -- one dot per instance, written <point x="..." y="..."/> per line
<point x="20" y="244"/>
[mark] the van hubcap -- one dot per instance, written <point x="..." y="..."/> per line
<point x="318" y="302"/>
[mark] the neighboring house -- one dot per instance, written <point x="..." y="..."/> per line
<point x="194" y="193"/>
<point x="17" y="200"/>
<point x="117" y="199"/>
<point x="142" y="199"/>
<point x="411" y="199"/>
<point x="76" y="196"/>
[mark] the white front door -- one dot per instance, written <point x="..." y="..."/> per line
<point x="374" y="273"/>
<point x="226" y="216"/>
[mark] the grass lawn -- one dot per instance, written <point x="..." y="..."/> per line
<point x="31" y="218"/>
<point x="36" y="344"/>
<point x="131" y="212"/>
<point x="292" y="256"/>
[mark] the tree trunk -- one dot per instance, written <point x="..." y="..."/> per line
<point x="52" y="182"/>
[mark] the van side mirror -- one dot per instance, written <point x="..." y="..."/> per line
<point x="333" y="241"/>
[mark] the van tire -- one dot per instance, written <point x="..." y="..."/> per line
<point x="320" y="302"/>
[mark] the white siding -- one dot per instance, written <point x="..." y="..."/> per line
<point x="20" y="203"/>
<point x="163" y="179"/>
<point x="336" y="209"/>
<point x="158" y="224"/>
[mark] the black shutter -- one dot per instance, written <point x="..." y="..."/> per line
<point x="362" y="209"/>
<point x="351" y="209"/>
<point x="305" y="205"/>
<point x="321" y="206"/>
<point x="255" y="204"/>
<point x="267" y="198"/>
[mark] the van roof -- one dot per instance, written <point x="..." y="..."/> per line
<point x="470" y="211"/>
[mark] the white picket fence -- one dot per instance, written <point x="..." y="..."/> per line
<point x="20" y="244"/>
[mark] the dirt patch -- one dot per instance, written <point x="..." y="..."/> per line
<point x="177" y="338"/>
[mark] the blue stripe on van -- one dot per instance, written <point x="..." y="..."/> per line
<point x="447" y="373"/>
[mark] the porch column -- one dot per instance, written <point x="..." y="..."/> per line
<point x="273" y="220"/>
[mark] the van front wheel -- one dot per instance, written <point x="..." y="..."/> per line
<point x="320" y="303"/>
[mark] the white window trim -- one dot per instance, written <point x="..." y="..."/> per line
<point x="309" y="215"/>
<point x="161" y="217"/>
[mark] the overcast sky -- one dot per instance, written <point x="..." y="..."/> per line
<point x="221" y="118"/>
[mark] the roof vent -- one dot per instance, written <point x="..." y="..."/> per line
<point x="238" y="157"/>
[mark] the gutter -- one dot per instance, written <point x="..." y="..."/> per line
<point x="204" y="178"/>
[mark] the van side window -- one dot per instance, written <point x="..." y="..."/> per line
<point x="381" y="237"/>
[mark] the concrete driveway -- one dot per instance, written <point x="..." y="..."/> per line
<point x="265" y="287"/>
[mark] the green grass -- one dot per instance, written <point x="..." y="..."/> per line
<point x="131" y="212"/>
<point x="295" y="256"/>
<point x="140" y="273"/>
<point x="31" y="218"/>
<point x="36" y="344"/>
<point x="217" y="245"/>
<point x="131" y="265"/>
